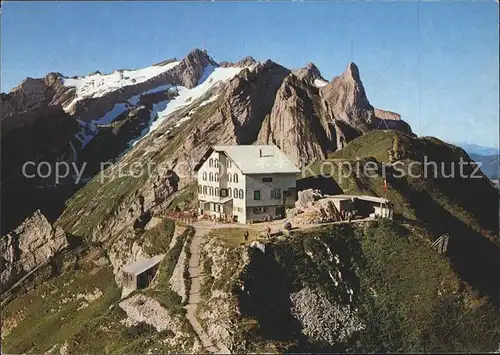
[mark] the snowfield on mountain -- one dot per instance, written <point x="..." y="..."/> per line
<point x="97" y="84"/>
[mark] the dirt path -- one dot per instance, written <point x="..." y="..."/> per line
<point x="203" y="227"/>
<point x="194" y="292"/>
<point x="275" y="225"/>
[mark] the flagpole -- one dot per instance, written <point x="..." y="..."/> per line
<point x="385" y="194"/>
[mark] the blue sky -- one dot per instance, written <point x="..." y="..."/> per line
<point x="434" y="63"/>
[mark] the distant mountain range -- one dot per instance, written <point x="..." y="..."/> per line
<point x="487" y="156"/>
<point x="489" y="164"/>
<point x="477" y="149"/>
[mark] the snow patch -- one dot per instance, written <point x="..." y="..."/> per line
<point x="162" y="105"/>
<point x="206" y="102"/>
<point x="182" y="120"/>
<point x="99" y="85"/>
<point x="157" y="89"/>
<point x="211" y="76"/>
<point x="109" y="117"/>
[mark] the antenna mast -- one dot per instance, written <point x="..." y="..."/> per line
<point x="352" y="51"/>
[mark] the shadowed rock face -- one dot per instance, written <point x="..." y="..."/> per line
<point x="29" y="100"/>
<point x="296" y="123"/>
<point x="32" y="130"/>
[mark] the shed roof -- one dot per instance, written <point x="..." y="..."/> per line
<point x="142" y="265"/>
<point x="258" y="159"/>
<point x="225" y="199"/>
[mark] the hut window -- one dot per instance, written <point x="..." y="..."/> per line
<point x="276" y="194"/>
<point x="210" y="162"/>
<point x="235" y="178"/>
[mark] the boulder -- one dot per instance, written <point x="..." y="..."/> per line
<point x="292" y="212"/>
<point x="258" y="245"/>
<point x="305" y="197"/>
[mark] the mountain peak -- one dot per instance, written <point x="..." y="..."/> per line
<point x="310" y="73"/>
<point x="200" y="55"/>
<point x="245" y="62"/>
<point x="352" y="71"/>
<point x="312" y="66"/>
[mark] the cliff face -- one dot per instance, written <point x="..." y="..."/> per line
<point x="346" y="102"/>
<point x="32" y="130"/>
<point x="312" y="117"/>
<point x="31" y="99"/>
<point x="297" y="123"/>
<point x="346" y="99"/>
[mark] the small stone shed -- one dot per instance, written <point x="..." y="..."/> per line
<point x="366" y="206"/>
<point x="140" y="273"/>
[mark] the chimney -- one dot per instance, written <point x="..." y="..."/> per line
<point x="260" y="151"/>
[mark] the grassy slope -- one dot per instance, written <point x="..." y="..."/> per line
<point x="161" y="290"/>
<point x="96" y="201"/>
<point x="47" y="316"/>
<point x="101" y="197"/>
<point x="465" y="208"/>
<point x="420" y="297"/>
<point x="407" y="295"/>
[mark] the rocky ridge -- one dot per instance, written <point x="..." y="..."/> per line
<point x="264" y="103"/>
